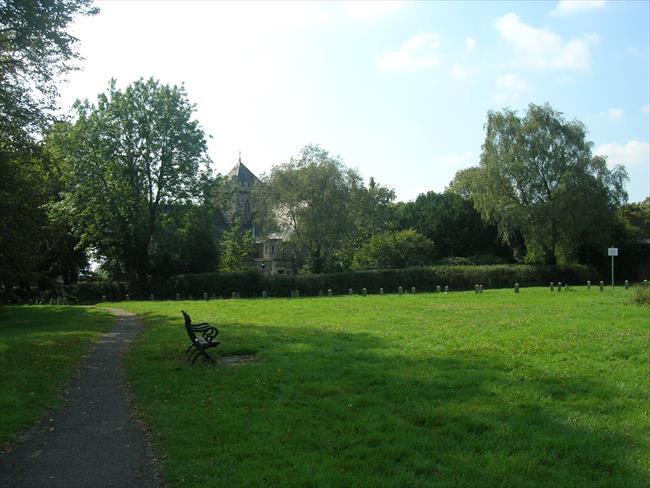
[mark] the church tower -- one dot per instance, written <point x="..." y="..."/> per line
<point x="242" y="180"/>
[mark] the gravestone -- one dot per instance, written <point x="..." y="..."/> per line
<point x="364" y="292"/>
<point x="400" y="290"/>
<point x="552" y="286"/>
<point x="234" y="294"/>
<point x="178" y="296"/>
<point x="413" y="290"/>
<point x="205" y="295"/>
<point x="329" y="292"/>
<point x="350" y="292"/>
<point x="601" y="285"/>
<point x="127" y="297"/>
<point x="264" y="295"/>
<point x="446" y="289"/>
<point x="438" y="289"/>
<point x="627" y="284"/>
<point x="588" y="285"/>
<point x="516" y="287"/>
<point x="381" y="291"/>
<point x="559" y="286"/>
<point x="476" y="288"/>
<point x="103" y="298"/>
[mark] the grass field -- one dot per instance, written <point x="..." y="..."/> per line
<point x="40" y="349"/>
<point x="498" y="389"/>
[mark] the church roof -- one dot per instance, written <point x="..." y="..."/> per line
<point x="241" y="174"/>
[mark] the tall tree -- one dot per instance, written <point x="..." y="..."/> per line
<point x="537" y="178"/>
<point x="35" y="49"/>
<point x="130" y="158"/>
<point x="452" y="223"/>
<point x="236" y="245"/>
<point x="309" y="198"/>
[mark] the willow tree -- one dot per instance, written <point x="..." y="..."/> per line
<point x="537" y="178"/>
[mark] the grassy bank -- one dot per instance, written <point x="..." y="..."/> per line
<point x="498" y="389"/>
<point x="40" y="349"/>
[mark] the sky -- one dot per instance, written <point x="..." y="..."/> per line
<point x="399" y="90"/>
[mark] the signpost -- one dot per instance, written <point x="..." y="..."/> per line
<point x="612" y="251"/>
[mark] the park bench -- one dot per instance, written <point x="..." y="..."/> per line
<point x="202" y="337"/>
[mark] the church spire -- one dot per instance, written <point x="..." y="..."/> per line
<point x="239" y="157"/>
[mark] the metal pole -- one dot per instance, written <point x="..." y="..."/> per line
<point x="612" y="272"/>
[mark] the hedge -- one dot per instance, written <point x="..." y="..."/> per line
<point x="252" y="283"/>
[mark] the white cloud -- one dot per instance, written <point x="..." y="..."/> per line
<point x="366" y="10"/>
<point x="419" y="52"/>
<point x="470" y="43"/>
<point x="634" y="152"/>
<point x="568" y="7"/>
<point x="511" y="81"/>
<point x="645" y="108"/>
<point x="542" y="48"/>
<point x="615" y="113"/>
<point x="509" y="87"/>
<point x="462" y="72"/>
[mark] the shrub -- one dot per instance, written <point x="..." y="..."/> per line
<point x="641" y="295"/>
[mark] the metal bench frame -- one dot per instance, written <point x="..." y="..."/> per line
<point x="202" y="337"/>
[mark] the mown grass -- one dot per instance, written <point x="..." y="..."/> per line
<point x="498" y="389"/>
<point x="40" y="349"/>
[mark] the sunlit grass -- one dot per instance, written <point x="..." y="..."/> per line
<point x="498" y="389"/>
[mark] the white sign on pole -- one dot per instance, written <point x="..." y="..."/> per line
<point x="612" y="251"/>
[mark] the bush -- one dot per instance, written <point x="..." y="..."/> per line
<point x="641" y="295"/>
<point x="251" y="283"/>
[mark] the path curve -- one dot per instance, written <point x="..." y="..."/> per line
<point x="92" y="441"/>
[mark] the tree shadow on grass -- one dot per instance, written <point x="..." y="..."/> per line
<point x="373" y="415"/>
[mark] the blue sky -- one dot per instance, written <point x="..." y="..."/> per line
<point x="399" y="90"/>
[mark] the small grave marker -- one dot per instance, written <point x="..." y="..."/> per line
<point x="516" y="287"/>
<point x="329" y="292"/>
<point x="350" y="292"/>
<point x="364" y="292"/>
<point x="602" y="285"/>
<point x="588" y="285"/>
<point x="381" y="291"/>
<point x="627" y="284"/>
<point x="446" y="289"/>
<point x="552" y="286"/>
<point x="438" y="289"/>
<point x="264" y="294"/>
<point x="413" y="290"/>
<point x="400" y="290"/>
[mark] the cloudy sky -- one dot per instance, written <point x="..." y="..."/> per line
<point x="399" y="90"/>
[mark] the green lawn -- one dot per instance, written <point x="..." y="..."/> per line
<point x="498" y="389"/>
<point x="40" y="348"/>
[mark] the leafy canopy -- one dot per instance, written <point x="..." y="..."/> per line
<point x="537" y="178"/>
<point x="131" y="158"/>
<point x="35" y="50"/>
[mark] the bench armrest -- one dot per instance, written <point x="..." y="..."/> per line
<point x="206" y="331"/>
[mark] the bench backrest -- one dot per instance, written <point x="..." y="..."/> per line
<point x="188" y="326"/>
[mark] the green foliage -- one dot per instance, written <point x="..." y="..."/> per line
<point x="451" y="222"/>
<point x="641" y="295"/>
<point x="40" y="349"/>
<point x="534" y="389"/>
<point x="237" y="244"/>
<point x="395" y="250"/>
<point x="131" y="158"/>
<point x="35" y="50"/>
<point x="537" y="178"/>
<point x="251" y="283"/>
<point x="322" y="205"/>
<point x="21" y="217"/>
<point x="36" y="244"/>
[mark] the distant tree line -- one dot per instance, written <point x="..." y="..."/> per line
<point x="126" y="183"/>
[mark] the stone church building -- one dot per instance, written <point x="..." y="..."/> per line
<point x="274" y="254"/>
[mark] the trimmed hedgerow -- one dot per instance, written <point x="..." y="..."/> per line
<point x="251" y="284"/>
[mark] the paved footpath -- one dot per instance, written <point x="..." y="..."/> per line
<point x="92" y="441"/>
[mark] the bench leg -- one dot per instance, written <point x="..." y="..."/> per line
<point x="188" y="349"/>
